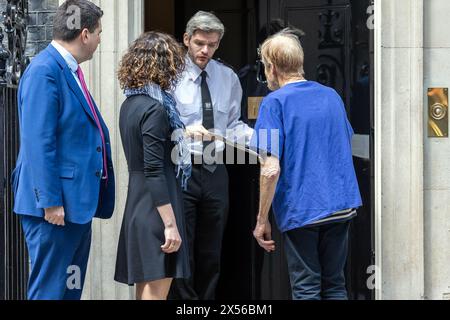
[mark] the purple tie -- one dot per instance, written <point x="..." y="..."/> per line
<point x="91" y="106"/>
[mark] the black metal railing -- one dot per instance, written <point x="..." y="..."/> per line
<point x="13" y="253"/>
<point x="15" y="262"/>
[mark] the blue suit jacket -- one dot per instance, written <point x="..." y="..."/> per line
<point x="60" y="161"/>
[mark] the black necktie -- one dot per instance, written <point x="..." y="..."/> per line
<point x="208" y="114"/>
<point x="208" y="118"/>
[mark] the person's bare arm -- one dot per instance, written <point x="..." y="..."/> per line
<point x="270" y="173"/>
<point x="173" y="238"/>
<point x="154" y="128"/>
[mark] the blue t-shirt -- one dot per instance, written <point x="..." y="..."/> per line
<point x="305" y="125"/>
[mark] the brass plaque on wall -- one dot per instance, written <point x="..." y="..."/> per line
<point x="438" y="112"/>
<point x="253" y="107"/>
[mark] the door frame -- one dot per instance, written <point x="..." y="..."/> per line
<point x="398" y="149"/>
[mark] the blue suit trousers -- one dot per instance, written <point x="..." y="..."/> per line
<point x="59" y="257"/>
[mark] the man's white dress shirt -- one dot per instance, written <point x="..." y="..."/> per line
<point x="226" y="95"/>
<point x="70" y="60"/>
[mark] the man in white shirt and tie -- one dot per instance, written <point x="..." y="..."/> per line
<point x="208" y="98"/>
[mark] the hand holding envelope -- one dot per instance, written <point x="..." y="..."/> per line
<point x="198" y="132"/>
<point x="234" y="143"/>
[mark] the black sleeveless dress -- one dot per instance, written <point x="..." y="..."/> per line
<point x="145" y="133"/>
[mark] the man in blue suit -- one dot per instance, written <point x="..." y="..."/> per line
<point x="64" y="175"/>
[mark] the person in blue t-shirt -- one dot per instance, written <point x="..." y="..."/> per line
<point x="307" y="173"/>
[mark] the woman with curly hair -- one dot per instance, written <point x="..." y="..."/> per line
<point x="151" y="252"/>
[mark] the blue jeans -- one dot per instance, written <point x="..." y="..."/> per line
<point x="316" y="259"/>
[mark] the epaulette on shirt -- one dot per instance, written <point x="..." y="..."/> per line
<point x="225" y="64"/>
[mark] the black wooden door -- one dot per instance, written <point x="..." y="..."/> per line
<point x="327" y="40"/>
<point x="241" y="259"/>
<point x="336" y="44"/>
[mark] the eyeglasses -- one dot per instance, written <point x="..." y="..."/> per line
<point x="260" y="74"/>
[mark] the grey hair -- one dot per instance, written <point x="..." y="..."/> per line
<point x="205" y="21"/>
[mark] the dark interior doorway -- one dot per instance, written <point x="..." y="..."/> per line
<point x="338" y="53"/>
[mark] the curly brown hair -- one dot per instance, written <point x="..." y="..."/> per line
<point x="153" y="57"/>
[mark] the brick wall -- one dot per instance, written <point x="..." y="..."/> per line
<point x="40" y="24"/>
